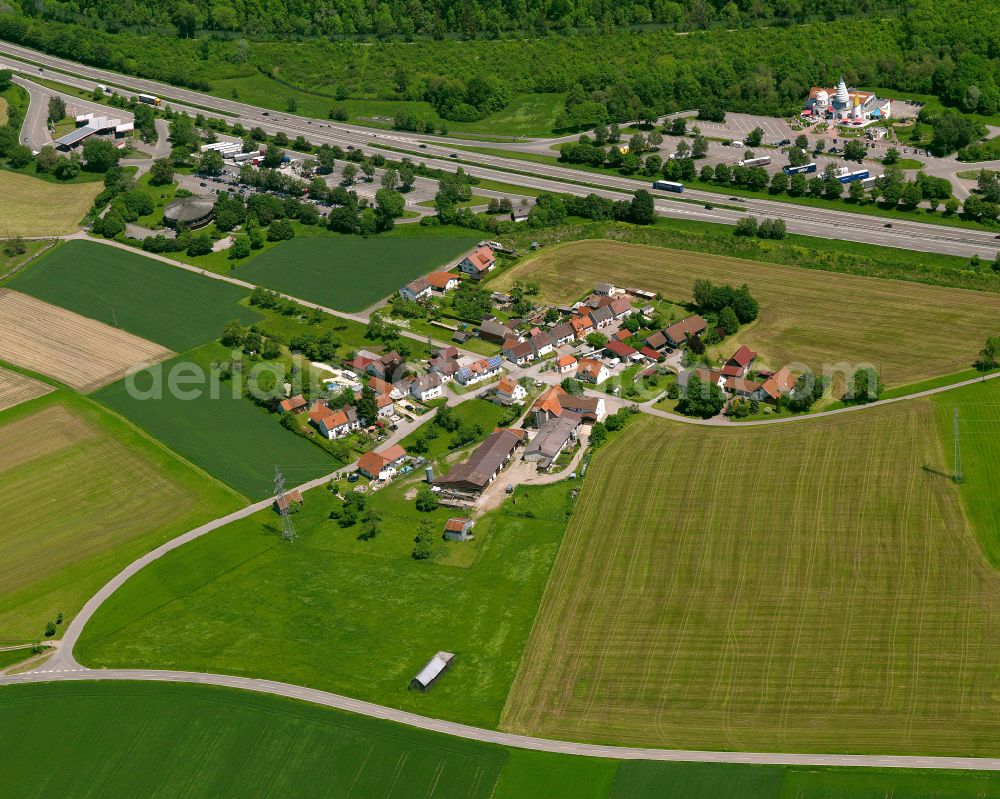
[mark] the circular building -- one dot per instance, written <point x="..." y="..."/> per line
<point x="191" y="212"/>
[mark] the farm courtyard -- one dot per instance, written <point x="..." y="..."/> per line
<point x="807" y="587"/>
<point x="909" y="331"/>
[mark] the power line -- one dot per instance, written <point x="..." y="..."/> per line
<point x="959" y="476"/>
<point x="284" y="506"/>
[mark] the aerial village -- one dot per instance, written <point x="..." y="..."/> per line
<point x="560" y="371"/>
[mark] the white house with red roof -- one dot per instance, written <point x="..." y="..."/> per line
<point x="479" y="263"/>
<point x="739" y="364"/>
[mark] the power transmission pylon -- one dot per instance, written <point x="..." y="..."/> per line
<point x="959" y="476"/>
<point x="284" y="509"/>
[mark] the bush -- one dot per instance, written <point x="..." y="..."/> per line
<point x="427" y="500"/>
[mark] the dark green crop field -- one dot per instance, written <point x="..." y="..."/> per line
<point x="159" y="302"/>
<point x="349" y="273"/>
<point x="226" y="435"/>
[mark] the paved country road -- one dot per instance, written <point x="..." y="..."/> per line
<point x="339" y="702"/>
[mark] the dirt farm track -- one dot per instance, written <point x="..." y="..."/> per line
<point x="75" y="350"/>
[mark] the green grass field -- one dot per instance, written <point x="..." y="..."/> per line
<point x="814" y="586"/>
<point x="199" y="741"/>
<point x="151" y="299"/>
<point x="349" y="273"/>
<point x="806" y="316"/>
<point x="190" y="741"/>
<point x="226" y="435"/>
<point x="83" y="495"/>
<point x="332" y="612"/>
<point x="470" y="412"/>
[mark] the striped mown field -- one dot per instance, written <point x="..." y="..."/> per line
<point x="910" y="331"/>
<point x="805" y="587"/>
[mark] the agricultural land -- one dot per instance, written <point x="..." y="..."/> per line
<point x="211" y="423"/>
<point x="16" y="388"/>
<point x="115" y="287"/>
<point x="909" y="331"/>
<point x="349" y="273"/>
<point x="83" y="494"/>
<point x="799" y="586"/>
<point x="33" y="207"/>
<point x="77" y="351"/>
<point x="184" y="739"/>
<point x="384" y="612"/>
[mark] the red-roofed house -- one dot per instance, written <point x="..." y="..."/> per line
<point x="333" y="423"/>
<point x="620" y="349"/>
<point x="443" y="281"/>
<point x="739" y="364"/>
<point x="741" y="387"/>
<point x="678" y="332"/>
<point x="373" y="464"/>
<point x="295" y="404"/>
<point x="650" y="353"/>
<point x="478" y="263"/>
<point x="566" y="364"/>
<point x="591" y="371"/>
<point x="509" y="391"/>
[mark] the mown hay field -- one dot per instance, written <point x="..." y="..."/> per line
<point x="33" y="207"/>
<point x="909" y="331"/>
<point x="805" y="587"/>
<point x="16" y="388"/>
<point x="77" y="351"/>
<point x="83" y="494"/>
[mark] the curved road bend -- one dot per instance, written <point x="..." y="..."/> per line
<point x="503" y="738"/>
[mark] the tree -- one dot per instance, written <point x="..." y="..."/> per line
<point x="755" y="137"/>
<point x="280" y="230"/>
<point x="802" y="142"/>
<point x="201" y="244"/>
<point x="46" y="159"/>
<point x="642" y="210"/>
<point x="596" y="340"/>
<point x="390" y="206"/>
<point x="854" y="150"/>
<point x="210" y="163"/>
<point x="273" y="156"/>
<point x="6" y="79"/>
<point x="57" y="108"/>
<point x="240" y="247"/>
<point x="368" y="169"/>
<point x="406" y="176"/>
<point x="161" y="172"/>
<point x="367" y="407"/>
<point x="699" y="146"/>
<point x="856" y="191"/>
<point x="423" y="543"/>
<point x="427" y="500"/>
<point x="233" y="334"/>
<point x="891" y="157"/>
<point x="779" y="183"/>
<point x="390" y="179"/>
<point x="66" y="168"/>
<point x="728" y="322"/>
<point x="989" y="355"/>
<point x="99" y="155"/>
<point x="865" y="387"/>
<point x="746" y="227"/>
<point x="349" y="172"/>
<point x="701" y="399"/>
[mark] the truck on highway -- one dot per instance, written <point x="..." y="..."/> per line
<point x="799" y="170"/>
<point x="148" y="99"/>
<point x="668" y="185"/>
<point x="762" y="160"/>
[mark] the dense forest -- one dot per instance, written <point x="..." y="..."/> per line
<point x="948" y="48"/>
<point x="439" y="18"/>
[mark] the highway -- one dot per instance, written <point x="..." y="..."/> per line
<point x="435" y="151"/>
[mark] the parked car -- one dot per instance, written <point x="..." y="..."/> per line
<point x="353" y="477"/>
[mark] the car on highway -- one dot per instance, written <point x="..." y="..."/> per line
<point x="887" y="224"/>
<point x="737" y="199"/>
<point x="423" y="146"/>
<point x="453" y="155"/>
